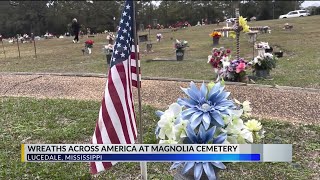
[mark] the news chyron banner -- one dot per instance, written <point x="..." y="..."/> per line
<point x="156" y="152"/>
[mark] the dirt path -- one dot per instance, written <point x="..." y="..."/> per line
<point x="290" y="105"/>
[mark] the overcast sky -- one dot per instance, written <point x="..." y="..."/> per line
<point x="310" y="3"/>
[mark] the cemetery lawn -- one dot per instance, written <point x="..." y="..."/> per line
<point x="300" y="65"/>
<point x="29" y="120"/>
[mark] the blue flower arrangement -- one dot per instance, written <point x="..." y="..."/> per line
<point x="206" y="116"/>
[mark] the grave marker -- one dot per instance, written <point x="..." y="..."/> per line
<point x="237" y="29"/>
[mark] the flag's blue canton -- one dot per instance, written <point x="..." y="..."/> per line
<point x="122" y="47"/>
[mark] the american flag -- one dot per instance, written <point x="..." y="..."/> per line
<point x="117" y="123"/>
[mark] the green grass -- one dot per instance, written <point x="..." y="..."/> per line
<point x="300" y="65"/>
<point x="28" y="120"/>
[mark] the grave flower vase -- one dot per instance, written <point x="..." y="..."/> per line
<point x="179" y="54"/>
<point x="108" y="56"/>
<point x="262" y="73"/>
<point x="215" y="41"/>
<point x="149" y="47"/>
<point x="111" y="41"/>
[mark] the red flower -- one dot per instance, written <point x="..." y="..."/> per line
<point x="228" y="51"/>
<point x="89" y="41"/>
<point x="215" y="54"/>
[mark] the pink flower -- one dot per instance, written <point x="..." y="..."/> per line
<point x="228" y="51"/>
<point x="215" y="54"/>
<point x="240" y="67"/>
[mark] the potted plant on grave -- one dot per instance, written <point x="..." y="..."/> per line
<point x="236" y="71"/>
<point x="262" y="64"/>
<point x="180" y="46"/>
<point x="108" y="50"/>
<point x="215" y="37"/>
<point x="263" y="47"/>
<point x="111" y="37"/>
<point x="226" y="69"/>
<point x="207" y="116"/>
<point x="88" y="44"/>
<point x="219" y="59"/>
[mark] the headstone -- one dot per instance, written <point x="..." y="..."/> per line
<point x="143" y="38"/>
<point x="141" y="27"/>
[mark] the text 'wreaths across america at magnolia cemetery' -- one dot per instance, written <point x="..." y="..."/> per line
<point x="145" y="148"/>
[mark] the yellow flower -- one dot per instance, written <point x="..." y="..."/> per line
<point x="215" y="34"/>
<point x="243" y="23"/>
<point x="232" y="34"/>
<point x="253" y="125"/>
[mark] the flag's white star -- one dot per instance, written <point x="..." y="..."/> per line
<point x="129" y="17"/>
<point x="121" y="37"/>
<point x="127" y="24"/>
<point x="124" y="31"/>
<point x="127" y="41"/>
<point x="122" y="54"/>
<point x="116" y="52"/>
<point x="125" y="13"/>
<point x="128" y="6"/>
<point x="125" y="48"/>
<point x="118" y="45"/>
<point x="130" y="28"/>
<point x="121" y="21"/>
<point x="119" y="28"/>
<point x="113" y="59"/>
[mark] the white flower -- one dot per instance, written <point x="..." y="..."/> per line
<point x="247" y="135"/>
<point x="246" y="108"/>
<point x="225" y="63"/>
<point x="268" y="55"/>
<point x="209" y="58"/>
<point x="253" y="125"/>
<point x="180" y="129"/>
<point x="167" y="121"/>
<point x="255" y="60"/>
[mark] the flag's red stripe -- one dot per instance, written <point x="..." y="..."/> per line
<point x="133" y="55"/>
<point x="108" y="124"/>
<point x="117" y="103"/>
<point x="133" y="70"/>
<point x="125" y="86"/>
<point x="106" y="165"/>
<point x="134" y="83"/>
<point x="93" y="167"/>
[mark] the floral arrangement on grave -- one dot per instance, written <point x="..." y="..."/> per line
<point x="243" y="27"/>
<point x="89" y="43"/>
<point x="180" y="44"/>
<point x="110" y="36"/>
<point x="262" y="45"/>
<point x="215" y="37"/>
<point x="215" y="34"/>
<point x="159" y="37"/>
<point x="226" y="69"/>
<point x="265" y="62"/>
<point x="207" y="116"/>
<point x="108" y="49"/>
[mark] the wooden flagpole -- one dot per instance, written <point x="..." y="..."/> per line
<point x="143" y="165"/>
